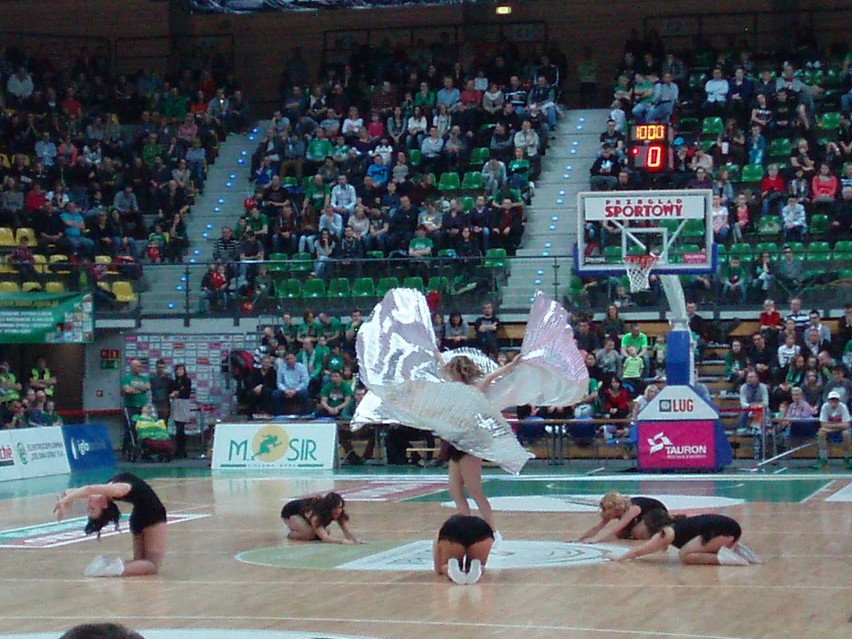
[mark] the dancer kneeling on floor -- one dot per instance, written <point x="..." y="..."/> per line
<point x="620" y="515"/>
<point x="308" y="519"/>
<point x="462" y="548"/>
<point x="702" y="540"/>
<point x="147" y="523"/>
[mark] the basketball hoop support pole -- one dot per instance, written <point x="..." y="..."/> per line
<point x="680" y="365"/>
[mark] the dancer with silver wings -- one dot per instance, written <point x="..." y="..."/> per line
<point x="459" y="394"/>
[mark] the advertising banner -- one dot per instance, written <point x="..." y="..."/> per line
<point x="10" y="468"/>
<point x="272" y="445"/>
<point x="45" y="318"/>
<point x="674" y="445"/>
<point x="88" y="446"/>
<point x="40" y="451"/>
<point x="644" y="205"/>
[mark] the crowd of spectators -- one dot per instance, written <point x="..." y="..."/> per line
<point x="27" y="400"/>
<point x="771" y="138"/>
<point x="94" y="164"/>
<point x="402" y="154"/>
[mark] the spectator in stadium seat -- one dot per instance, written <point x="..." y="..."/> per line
<point x="754" y="396"/>
<point x="794" y="220"/>
<point x="75" y="228"/>
<point x="528" y="140"/>
<point x="639" y="340"/>
<point x="833" y="418"/>
<point x="261" y="385"/>
<point x="486" y="327"/>
<point x="720" y="214"/>
<point x="662" y="103"/>
<point x="292" y="384"/>
<point x="716" y="94"/>
<point x="762" y="359"/>
<point x="335" y="396"/>
<point x="604" y="170"/>
<point x="214" y="288"/>
<point x="734" y="281"/>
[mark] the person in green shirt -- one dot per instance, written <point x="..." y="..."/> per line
<point x="10" y="388"/>
<point x="151" y="150"/>
<point x="632" y="368"/>
<point x="335" y="396"/>
<point x="175" y="105"/>
<point x="329" y="327"/>
<point x="420" y="250"/>
<point x="134" y="391"/>
<point x="340" y="151"/>
<point x="317" y="194"/>
<point x="335" y="362"/>
<point x="259" y="223"/>
<point x="734" y="281"/>
<point x="323" y="351"/>
<point x="313" y="361"/>
<point x="636" y="338"/>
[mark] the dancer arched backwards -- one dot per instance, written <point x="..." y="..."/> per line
<point x="147" y="523"/>
<point x="620" y="515"/>
<point x="308" y="519"/>
<point x="701" y="540"/>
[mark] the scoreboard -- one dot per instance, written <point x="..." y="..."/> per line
<point x="650" y="147"/>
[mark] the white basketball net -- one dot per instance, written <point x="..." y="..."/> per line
<point x="638" y="270"/>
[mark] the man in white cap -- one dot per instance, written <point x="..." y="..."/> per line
<point x="833" y="418"/>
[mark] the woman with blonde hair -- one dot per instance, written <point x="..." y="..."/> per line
<point x="620" y="515"/>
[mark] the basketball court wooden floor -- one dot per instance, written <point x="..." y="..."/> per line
<point x="229" y="567"/>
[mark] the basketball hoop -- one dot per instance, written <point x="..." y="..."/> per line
<point x="639" y="269"/>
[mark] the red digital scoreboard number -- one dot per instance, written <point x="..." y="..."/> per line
<point x="650" y="147"/>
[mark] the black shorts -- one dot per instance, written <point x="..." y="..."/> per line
<point x="450" y="452"/>
<point x="465" y="530"/>
<point x="150" y="517"/>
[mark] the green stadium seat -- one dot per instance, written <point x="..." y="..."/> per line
<point x="819" y="252"/>
<point x="363" y="287"/>
<point x="769" y="225"/>
<point x="707" y="145"/>
<point x="819" y="224"/>
<point x="339" y="288"/>
<point x="479" y="156"/>
<point x="467" y="203"/>
<point x="277" y="262"/>
<point x="288" y="181"/>
<point x="771" y="247"/>
<point x="472" y="181"/>
<point x="842" y="252"/>
<point x="780" y="149"/>
<point x="415" y="282"/>
<point x="449" y="181"/>
<point x="712" y="127"/>
<point x="291" y="289"/>
<point x="415" y="156"/>
<point x="515" y="195"/>
<point x="495" y="258"/>
<point x="693" y="229"/>
<point x="741" y="250"/>
<point x="688" y="125"/>
<point x="313" y="289"/>
<point x="385" y="284"/>
<point x="301" y="263"/>
<point x="752" y="173"/>
<point x="438" y="283"/>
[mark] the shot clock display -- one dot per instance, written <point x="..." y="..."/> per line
<point x="650" y="147"/>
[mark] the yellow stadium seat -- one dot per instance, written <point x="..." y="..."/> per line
<point x="28" y="287"/>
<point x="59" y="259"/>
<point x="9" y="287"/>
<point x="7" y="237"/>
<point x="25" y="232"/>
<point x="123" y="291"/>
<point x="54" y="287"/>
<point x="7" y="268"/>
<point x="104" y="286"/>
<point x="103" y="259"/>
<point x="40" y="262"/>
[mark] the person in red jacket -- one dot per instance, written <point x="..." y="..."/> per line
<point x="824" y="187"/>
<point x="772" y="188"/>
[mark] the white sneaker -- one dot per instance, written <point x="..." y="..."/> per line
<point x="728" y="557"/>
<point x="747" y="553"/>
<point x="455" y="573"/>
<point x="114" y="568"/>
<point x="475" y="572"/>
<point x="97" y="564"/>
<point x="498" y="540"/>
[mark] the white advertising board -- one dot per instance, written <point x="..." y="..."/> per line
<point x="274" y="445"/>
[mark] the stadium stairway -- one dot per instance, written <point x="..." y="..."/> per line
<point x="551" y="228"/>
<point x="219" y="205"/>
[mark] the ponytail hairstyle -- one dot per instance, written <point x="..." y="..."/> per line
<point x="110" y="513"/>
<point x="657" y="519"/>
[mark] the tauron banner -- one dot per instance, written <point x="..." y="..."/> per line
<point x="45" y="318"/>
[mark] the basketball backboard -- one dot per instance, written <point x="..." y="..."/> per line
<point x="674" y="226"/>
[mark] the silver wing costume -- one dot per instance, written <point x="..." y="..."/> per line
<point x="402" y="368"/>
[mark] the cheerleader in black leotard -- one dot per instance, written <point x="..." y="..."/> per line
<point x="703" y="540"/>
<point x="620" y="516"/>
<point x="147" y="523"/>
<point x="308" y="519"/>
<point x="462" y="548"/>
